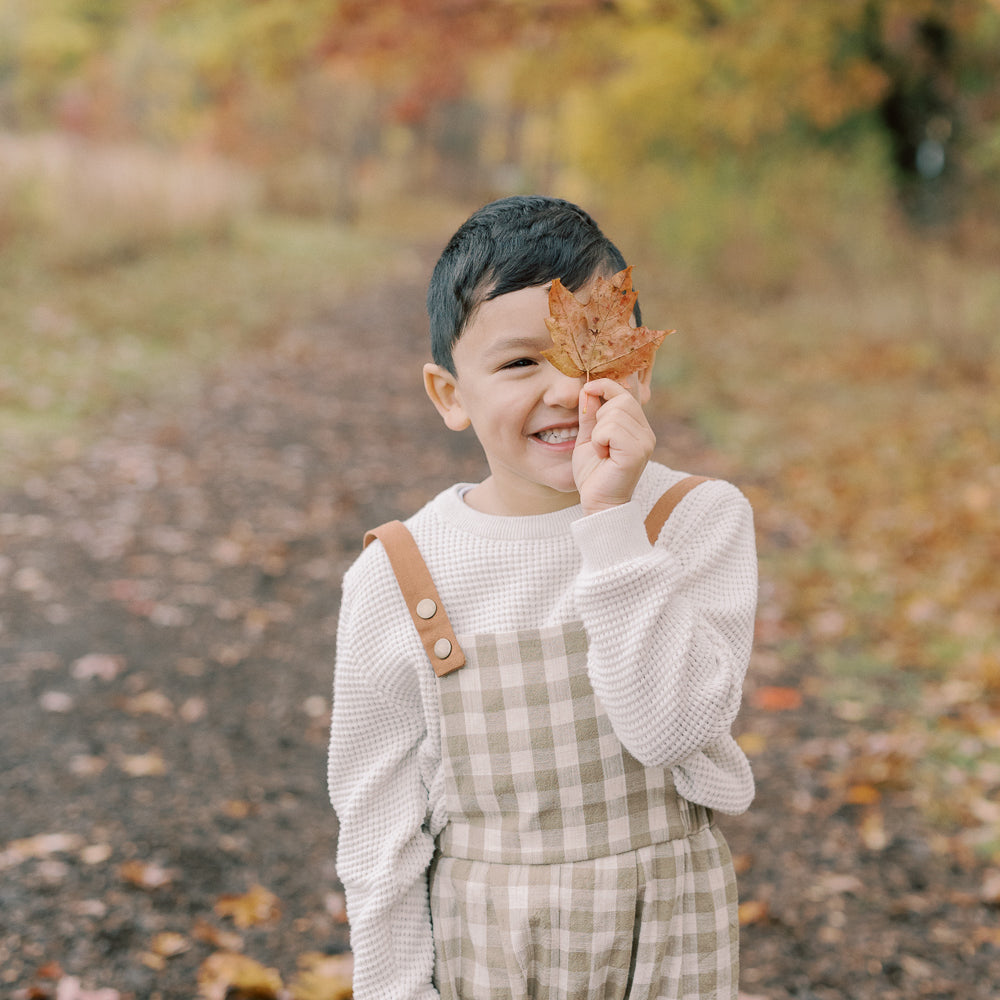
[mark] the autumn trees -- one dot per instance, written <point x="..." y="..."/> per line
<point x="610" y="86"/>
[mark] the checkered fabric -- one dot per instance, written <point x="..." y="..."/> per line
<point x="567" y="868"/>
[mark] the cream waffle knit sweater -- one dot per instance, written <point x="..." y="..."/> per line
<point x="669" y="626"/>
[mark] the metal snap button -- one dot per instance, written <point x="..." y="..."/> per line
<point x="442" y="649"/>
<point x="426" y="608"/>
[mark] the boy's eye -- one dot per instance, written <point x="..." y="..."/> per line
<point x="519" y="363"/>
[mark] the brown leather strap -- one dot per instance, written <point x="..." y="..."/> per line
<point x="421" y="596"/>
<point x="664" y="507"/>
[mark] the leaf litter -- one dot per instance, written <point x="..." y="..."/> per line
<point x="271" y="475"/>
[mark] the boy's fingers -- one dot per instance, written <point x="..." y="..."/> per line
<point x="602" y="390"/>
<point x="599" y="428"/>
<point x="606" y="388"/>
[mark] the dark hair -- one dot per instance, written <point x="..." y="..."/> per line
<point x="513" y="243"/>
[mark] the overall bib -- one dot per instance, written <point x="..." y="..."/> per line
<point x="567" y="868"/>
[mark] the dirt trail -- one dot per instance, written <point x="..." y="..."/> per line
<point x="167" y="613"/>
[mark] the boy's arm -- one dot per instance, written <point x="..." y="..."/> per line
<point x="670" y="626"/>
<point x="383" y="846"/>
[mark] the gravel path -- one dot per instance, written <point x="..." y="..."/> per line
<point x="168" y="603"/>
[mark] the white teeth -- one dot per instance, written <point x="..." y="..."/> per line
<point x="558" y="436"/>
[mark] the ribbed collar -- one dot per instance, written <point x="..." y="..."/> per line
<point x="452" y="508"/>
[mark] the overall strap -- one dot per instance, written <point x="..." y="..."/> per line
<point x="664" y="507"/>
<point x="421" y="596"/>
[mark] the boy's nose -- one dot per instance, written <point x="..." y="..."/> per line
<point x="563" y="390"/>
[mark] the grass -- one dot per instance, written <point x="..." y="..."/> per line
<point x="152" y="302"/>
<point x="78" y="344"/>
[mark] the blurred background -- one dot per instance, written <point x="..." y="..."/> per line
<point x="810" y="192"/>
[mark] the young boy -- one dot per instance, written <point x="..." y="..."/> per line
<point x="532" y="706"/>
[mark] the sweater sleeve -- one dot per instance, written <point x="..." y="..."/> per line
<point x="670" y="628"/>
<point x="384" y="847"/>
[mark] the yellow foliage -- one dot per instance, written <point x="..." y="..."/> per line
<point x="53" y="43"/>
<point x="647" y="105"/>
<point x="279" y="36"/>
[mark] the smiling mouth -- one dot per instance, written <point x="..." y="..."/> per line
<point x="558" y="435"/>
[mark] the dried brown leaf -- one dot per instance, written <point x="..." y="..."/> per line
<point x="225" y="975"/>
<point x="336" y="906"/>
<point x="69" y="988"/>
<point x="596" y="339"/>
<point x="990" y="890"/>
<point x="771" y="698"/>
<point x="143" y="765"/>
<point x="753" y="911"/>
<point x="257" y="906"/>
<point x="42" y="845"/>
<point x="146" y="874"/>
<point x="149" y="703"/>
<point x="167" y="944"/>
<point x="217" y="937"/>
<point x="862" y="794"/>
<point x="58" y="702"/>
<point x="324" y="977"/>
<point x="100" y="666"/>
<point x="872" y="830"/>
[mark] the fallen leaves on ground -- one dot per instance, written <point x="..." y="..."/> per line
<point x="256" y="906"/>
<point x="69" y="988"/>
<point x="753" y="911"/>
<point x="146" y="874"/>
<point x="51" y="983"/>
<point x="323" y="977"/>
<point x="149" y="703"/>
<point x="217" y="937"/>
<point x="770" y="698"/>
<point x="878" y="544"/>
<point x="143" y="765"/>
<point x="98" y="666"/>
<point x="167" y="944"/>
<point x="42" y="845"/>
<point x="229" y="976"/>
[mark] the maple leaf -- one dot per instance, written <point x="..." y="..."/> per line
<point x="595" y="339"/>
<point x="258" y="906"/>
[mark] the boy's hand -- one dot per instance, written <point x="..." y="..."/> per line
<point x="613" y="445"/>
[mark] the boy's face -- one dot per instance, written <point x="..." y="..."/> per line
<point x="523" y="410"/>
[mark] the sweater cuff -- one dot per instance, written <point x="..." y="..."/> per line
<point x="611" y="537"/>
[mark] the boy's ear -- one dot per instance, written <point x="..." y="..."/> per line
<point x="442" y="389"/>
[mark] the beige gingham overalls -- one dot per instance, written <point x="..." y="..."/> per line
<point x="567" y="868"/>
